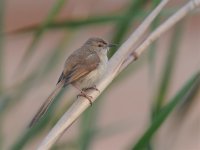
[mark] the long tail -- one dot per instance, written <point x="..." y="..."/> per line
<point x="47" y="103"/>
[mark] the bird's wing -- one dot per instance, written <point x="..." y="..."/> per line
<point x="80" y="68"/>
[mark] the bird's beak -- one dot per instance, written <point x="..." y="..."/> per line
<point x="112" y="45"/>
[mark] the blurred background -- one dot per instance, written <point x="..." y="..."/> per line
<point x="36" y="38"/>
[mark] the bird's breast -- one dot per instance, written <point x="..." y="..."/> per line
<point x="96" y="74"/>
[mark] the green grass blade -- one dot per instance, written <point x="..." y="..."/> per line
<point x="95" y="20"/>
<point x="165" y="112"/>
<point x="38" y="34"/>
<point x="123" y="25"/>
<point x="37" y="128"/>
<point x="55" y="56"/>
<point x="168" y="69"/>
<point x="33" y="80"/>
<point x="74" y="23"/>
<point x="69" y="145"/>
<point x="152" y="49"/>
<point x="2" y="6"/>
<point x="17" y="92"/>
<point x="1" y="44"/>
<point x="187" y="104"/>
<point x="88" y="125"/>
<point x="9" y="99"/>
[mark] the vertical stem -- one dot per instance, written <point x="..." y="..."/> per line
<point x="168" y="70"/>
<point x="1" y="60"/>
<point x="1" y="43"/>
<point x="152" y="50"/>
<point x="57" y="7"/>
<point x="125" y="23"/>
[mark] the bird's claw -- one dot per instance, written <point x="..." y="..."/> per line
<point x="83" y="94"/>
<point x="91" y="88"/>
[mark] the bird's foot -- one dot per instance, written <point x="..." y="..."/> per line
<point x="91" y="88"/>
<point x="84" y="94"/>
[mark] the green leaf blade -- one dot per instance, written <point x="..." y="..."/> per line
<point x="180" y="96"/>
<point x="38" y="34"/>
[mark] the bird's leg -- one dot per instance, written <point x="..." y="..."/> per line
<point x="83" y="94"/>
<point x="91" y="88"/>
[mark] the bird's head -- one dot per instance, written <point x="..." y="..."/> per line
<point x="98" y="44"/>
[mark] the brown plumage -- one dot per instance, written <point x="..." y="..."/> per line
<point x="76" y="67"/>
<point x="82" y="69"/>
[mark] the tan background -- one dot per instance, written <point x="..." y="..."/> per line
<point x="127" y="102"/>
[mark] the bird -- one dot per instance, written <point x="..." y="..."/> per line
<point x="82" y="69"/>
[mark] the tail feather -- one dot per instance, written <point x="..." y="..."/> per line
<point x="47" y="103"/>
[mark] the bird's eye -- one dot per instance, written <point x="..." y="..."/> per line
<point x="100" y="45"/>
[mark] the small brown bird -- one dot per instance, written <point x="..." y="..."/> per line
<point x="82" y="69"/>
